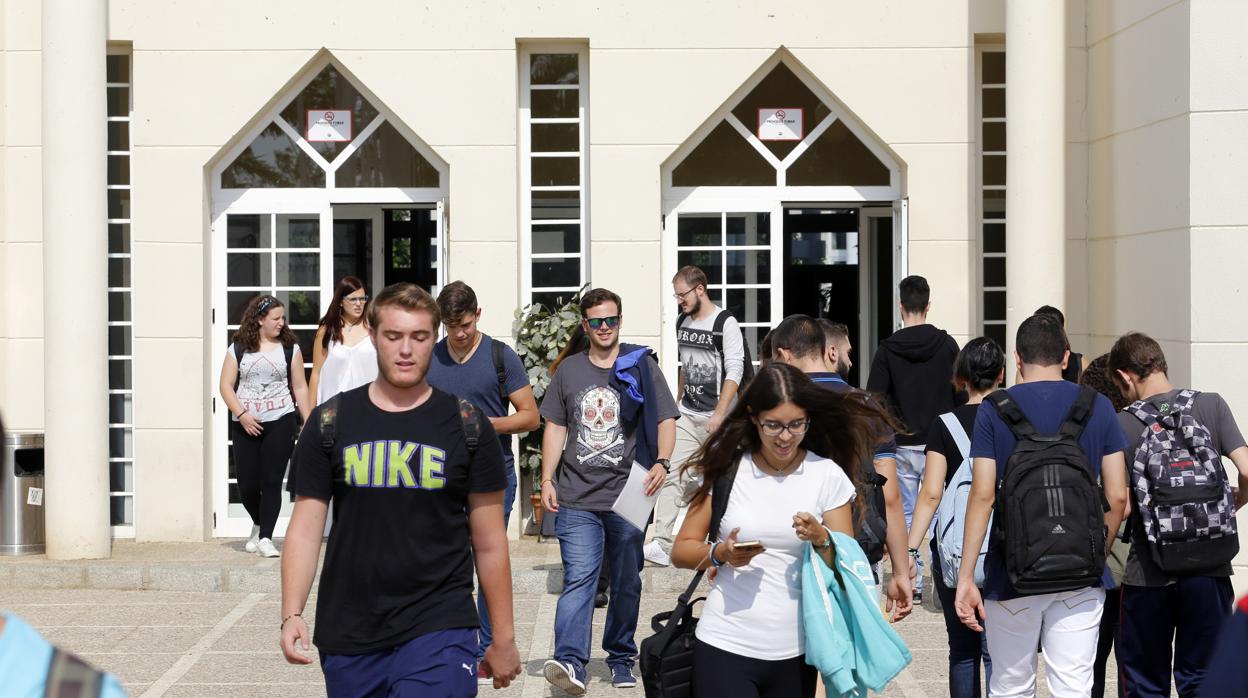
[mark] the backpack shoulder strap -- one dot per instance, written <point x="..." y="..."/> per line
<point x="1143" y="410"/>
<point x="680" y="320"/>
<point x="1080" y="413"/>
<point x="288" y="350"/>
<point x="70" y="676"/>
<point x="1185" y="401"/>
<point x="238" y="352"/>
<point x="500" y="370"/>
<point x="959" y="435"/>
<point x="719" y="504"/>
<point x="328" y="422"/>
<point x="1011" y="414"/>
<point x="471" y="418"/>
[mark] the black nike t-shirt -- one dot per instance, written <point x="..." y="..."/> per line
<point x="398" y="563"/>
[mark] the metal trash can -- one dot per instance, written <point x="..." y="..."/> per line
<point x="21" y="495"/>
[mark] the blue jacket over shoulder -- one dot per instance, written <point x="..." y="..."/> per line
<point x="631" y="378"/>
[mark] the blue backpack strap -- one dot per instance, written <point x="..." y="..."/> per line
<point x="958" y="433"/>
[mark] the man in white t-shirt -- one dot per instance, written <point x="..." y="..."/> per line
<point x="712" y="362"/>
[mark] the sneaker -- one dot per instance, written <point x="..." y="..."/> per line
<point x="266" y="548"/>
<point x="601" y="599"/>
<point x="484" y="677"/>
<point x="565" y="675"/>
<point x="622" y="676"/>
<point x="653" y="553"/>
<point x="253" y="543"/>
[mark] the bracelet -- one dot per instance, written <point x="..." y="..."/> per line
<point x="710" y="555"/>
<point x="240" y="414"/>
<point x="914" y="552"/>
<point x="827" y="542"/>
<point x="293" y="615"/>
<point x="543" y="482"/>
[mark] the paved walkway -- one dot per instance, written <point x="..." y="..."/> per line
<point x="221" y="639"/>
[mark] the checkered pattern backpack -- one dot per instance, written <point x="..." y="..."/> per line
<point x="1184" y="496"/>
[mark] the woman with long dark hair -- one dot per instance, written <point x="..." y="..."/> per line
<point x="796" y="447"/>
<point x="343" y="355"/>
<point x="978" y="370"/>
<point x="262" y="390"/>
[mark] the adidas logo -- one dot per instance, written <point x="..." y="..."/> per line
<point x="1058" y="529"/>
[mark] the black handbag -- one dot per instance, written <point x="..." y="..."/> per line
<point x="666" y="657"/>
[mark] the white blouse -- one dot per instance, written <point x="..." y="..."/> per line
<point x="346" y="368"/>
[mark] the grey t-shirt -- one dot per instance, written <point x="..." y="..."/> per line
<point x="1212" y="411"/>
<point x="598" y="454"/>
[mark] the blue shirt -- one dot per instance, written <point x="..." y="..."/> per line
<point x="24" y="659"/>
<point x="887" y="447"/>
<point x="1045" y="404"/>
<point x="476" y="381"/>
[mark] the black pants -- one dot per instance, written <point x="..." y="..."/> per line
<point x="259" y="464"/>
<point x="717" y="673"/>
<point x="1105" y="644"/>
<point x="1175" y="625"/>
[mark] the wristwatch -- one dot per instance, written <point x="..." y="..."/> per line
<point x="667" y="464"/>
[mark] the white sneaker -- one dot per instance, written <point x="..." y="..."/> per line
<point x="565" y="676"/>
<point x="266" y="548"/>
<point x="253" y="543"/>
<point x="654" y="553"/>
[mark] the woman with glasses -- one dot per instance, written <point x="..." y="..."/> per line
<point x="262" y="384"/>
<point x="343" y="355"/>
<point x="796" y="447"/>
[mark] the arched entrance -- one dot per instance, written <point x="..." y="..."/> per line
<point x="324" y="182"/>
<point x="790" y="205"/>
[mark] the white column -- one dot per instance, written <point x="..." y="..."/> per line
<point x="1035" y="197"/>
<point x="75" y="276"/>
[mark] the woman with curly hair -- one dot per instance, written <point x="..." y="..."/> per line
<point x="797" y="448"/>
<point x="262" y="384"/>
<point x="343" y="355"/>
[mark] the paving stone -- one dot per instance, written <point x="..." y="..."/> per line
<point x="185" y="578"/>
<point x="116" y="577"/>
<point x="48" y="576"/>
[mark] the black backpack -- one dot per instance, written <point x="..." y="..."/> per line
<point x="717" y="334"/>
<point x="666" y="658"/>
<point x="870" y="525"/>
<point x="1049" y="507"/>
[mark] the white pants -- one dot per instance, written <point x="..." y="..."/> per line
<point x="1066" y="625"/>
<point x="690" y="433"/>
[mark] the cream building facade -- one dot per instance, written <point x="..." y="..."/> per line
<point x="161" y="162"/>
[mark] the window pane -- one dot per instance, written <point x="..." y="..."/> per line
<point x="401" y="253"/>
<point x="710" y="262"/>
<point x="550" y="104"/>
<point x="298" y="232"/>
<point x="119" y="477"/>
<point x="750" y="304"/>
<point x="386" y="159"/>
<point x="556" y="138"/>
<point x="353" y="248"/>
<point x="118" y="68"/>
<point x="994" y="271"/>
<point x="119" y="340"/>
<point x="752" y="336"/>
<point x="749" y="229"/>
<point x="994" y="204"/>
<point x="329" y="91"/>
<point x="994" y="170"/>
<point x="749" y="267"/>
<point x="553" y="69"/>
<point x="118" y="203"/>
<point x="118" y="272"/>
<point x="119" y="101"/>
<point x="118" y="238"/>
<point x="838" y="158"/>
<point x="552" y="299"/>
<point x="549" y="273"/>
<point x="781" y="89"/>
<point x="119" y="135"/>
<point x="248" y="231"/>
<point x="118" y="306"/>
<point x="994" y="306"/>
<point x="118" y="169"/>
<point x="248" y="269"/>
<point x="271" y="161"/>
<point x="302" y="307"/>
<point x="559" y="238"/>
<point x="306" y="338"/>
<point x="695" y="230"/>
<point x="994" y="102"/>
<point x="120" y="409"/>
<point x="996" y="333"/>
<point x="298" y="269"/>
<point x="724" y="159"/>
<point x="814" y="249"/>
<point x="994" y="68"/>
<point x="556" y="205"/>
<point x="119" y="375"/>
<point x="556" y="172"/>
<point x="236" y="302"/>
<point x="994" y="237"/>
<point x="121" y="511"/>
<point x="994" y="136"/>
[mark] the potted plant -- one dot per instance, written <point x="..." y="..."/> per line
<point x="540" y="333"/>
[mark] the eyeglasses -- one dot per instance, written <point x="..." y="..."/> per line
<point x="613" y="321"/>
<point x="776" y="428"/>
<point x="356" y="299"/>
<point x="681" y="296"/>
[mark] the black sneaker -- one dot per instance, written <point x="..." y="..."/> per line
<point x="600" y="599"/>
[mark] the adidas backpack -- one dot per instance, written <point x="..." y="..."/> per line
<point x="1183" y="495"/>
<point x="1050" y="510"/>
<point x="951" y="514"/>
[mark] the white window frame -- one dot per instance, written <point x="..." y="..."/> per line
<point x="126" y="530"/>
<point x="677" y="201"/>
<point x="525" y="123"/>
<point x="321" y="202"/>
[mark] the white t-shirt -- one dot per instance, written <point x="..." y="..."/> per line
<point x="755" y="611"/>
<point x="346" y="367"/>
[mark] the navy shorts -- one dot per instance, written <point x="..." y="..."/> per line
<point x="441" y="663"/>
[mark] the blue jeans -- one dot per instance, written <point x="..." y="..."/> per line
<point x="910" y="464"/>
<point x="1171" y="627"/>
<point x="966" y="647"/>
<point x="583" y="536"/>
<point x="485" y="634"/>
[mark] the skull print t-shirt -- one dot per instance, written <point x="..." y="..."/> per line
<point x="598" y="453"/>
